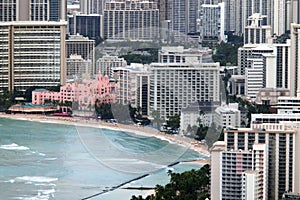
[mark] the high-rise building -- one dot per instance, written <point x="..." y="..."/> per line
<point x="165" y="9"/>
<point x="131" y="20"/>
<point x="92" y="6"/>
<point x="76" y="67"/>
<point x="184" y="17"/>
<point x="79" y="45"/>
<point x="107" y="63"/>
<point x="251" y="64"/>
<point x="233" y="16"/>
<point x="33" y="10"/>
<point x="288" y="105"/>
<point x="180" y="78"/>
<point x="277" y="66"/>
<point x="58" y="10"/>
<point x="264" y="7"/>
<point x="295" y="59"/>
<point x="279" y="18"/>
<point x="238" y="174"/>
<point x="33" y="54"/>
<point x="293" y="12"/>
<point x="255" y="31"/>
<point x="280" y="133"/>
<point x="133" y="86"/>
<point x="86" y="25"/>
<point x="212" y="22"/>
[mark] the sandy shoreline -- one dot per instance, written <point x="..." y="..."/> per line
<point x="143" y="131"/>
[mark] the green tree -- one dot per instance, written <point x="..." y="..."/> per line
<point x="157" y="120"/>
<point x="189" y="185"/>
<point x="103" y="110"/>
<point x="201" y="132"/>
<point x="6" y="100"/>
<point x="173" y="121"/>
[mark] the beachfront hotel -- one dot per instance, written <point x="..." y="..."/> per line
<point x="238" y="174"/>
<point x="180" y="78"/>
<point x="32" y="54"/>
<point x="83" y="94"/>
<point x="281" y="135"/>
<point x="33" y="10"/>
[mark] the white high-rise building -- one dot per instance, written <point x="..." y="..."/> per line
<point x="255" y="73"/>
<point x="288" y="105"/>
<point x="295" y="59"/>
<point x="107" y="63"/>
<point x="31" y="55"/>
<point x="77" y="67"/>
<point x="280" y="17"/>
<point x="83" y="46"/>
<point x="33" y="10"/>
<point x="92" y="6"/>
<point x="293" y="12"/>
<point x="212" y="22"/>
<point x="180" y="78"/>
<point x="264" y="7"/>
<point x="133" y="86"/>
<point x="280" y="133"/>
<point x="238" y="174"/>
<point x="255" y="31"/>
<point x="277" y="66"/>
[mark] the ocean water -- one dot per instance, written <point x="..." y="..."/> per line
<point x="51" y="161"/>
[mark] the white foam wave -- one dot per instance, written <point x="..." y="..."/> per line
<point x="41" y="195"/>
<point x="13" y="146"/>
<point x="40" y="154"/>
<point x="47" y="192"/>
<point x="10" y="181"/>
<point x="50" y="159"/>
<point x="37" y="179"/>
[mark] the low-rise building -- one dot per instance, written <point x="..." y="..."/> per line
<point x="82" y="94"/>
<point x="228" y="116"/>
<point x="195" y="114"/>
<point x="288" y="105"/>
<point x="270" y="96"/>
<point x="237" y="85"/>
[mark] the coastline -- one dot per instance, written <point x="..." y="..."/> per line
<point x="138" y="130"/>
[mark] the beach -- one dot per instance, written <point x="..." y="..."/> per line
<point x="138" y="130"/>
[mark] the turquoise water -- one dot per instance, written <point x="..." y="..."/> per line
<point x="53" y="161"/>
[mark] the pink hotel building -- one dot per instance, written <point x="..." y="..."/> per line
<point x="83" y="94"/>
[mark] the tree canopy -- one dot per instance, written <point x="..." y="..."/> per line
<point x="6" y="100"/>
<point x="189" y="185"/>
